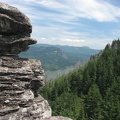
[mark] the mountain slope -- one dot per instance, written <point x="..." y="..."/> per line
<point x="55" y="57"/>
<point x="91" y="92"/>
<point x="51" y="57"/>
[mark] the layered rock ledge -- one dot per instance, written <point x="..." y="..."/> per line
<point x="15" y="29"/>
<point x="20" y="78"/>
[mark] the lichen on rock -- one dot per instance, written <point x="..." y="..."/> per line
<point x="20" y="78"/>
<point x="15" y="29"/>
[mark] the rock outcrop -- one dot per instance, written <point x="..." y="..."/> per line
<point x="20" y="78"/>
<point x="15" y="29"/>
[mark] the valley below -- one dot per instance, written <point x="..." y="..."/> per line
<point x="58" y="60"/>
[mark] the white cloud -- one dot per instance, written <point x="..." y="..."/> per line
<point x="92" y="43"/>
<point x="43" y="38"/>
<point x="47" y="3"/>
<point x="71" y="9"/>
<point x="82" y="40"/>
<point x="94" y="9"/>
<point x="72" y="40"/>
<point x="54" y="23"/>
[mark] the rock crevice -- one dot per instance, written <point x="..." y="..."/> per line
<point x="15" y="29"/>
<point x="20" y="78"/>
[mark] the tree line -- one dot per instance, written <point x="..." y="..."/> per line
<point x="91" y="92"/>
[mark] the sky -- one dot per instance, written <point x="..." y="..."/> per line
<point x="92" y="23"/>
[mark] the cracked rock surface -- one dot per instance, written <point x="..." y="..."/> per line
<point x="20" y="78"/>
<point x="15" y="29"/>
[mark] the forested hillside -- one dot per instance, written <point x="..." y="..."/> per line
<point x="55" y="57"/>
<point x="91" y="92"/>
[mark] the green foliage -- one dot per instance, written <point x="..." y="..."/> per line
<point x="93" y="102"/>
<point x="91" y="92"/>
<point x="55" y="57"/>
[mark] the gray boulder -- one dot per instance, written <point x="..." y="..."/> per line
<point x="13" y="21"/>
<point x="57" y="118"/>
<point x="15" y="28"/>
<point x="20" y="80"/>
<point x="9" y="46"/>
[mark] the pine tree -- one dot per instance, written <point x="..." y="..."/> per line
<point x="93" y="102"/>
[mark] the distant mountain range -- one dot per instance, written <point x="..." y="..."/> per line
<point x="56" y="57"/>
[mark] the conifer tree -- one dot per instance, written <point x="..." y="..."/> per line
<point x="93" y="102"/>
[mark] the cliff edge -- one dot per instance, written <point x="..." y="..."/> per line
<point x="20" y="78"/>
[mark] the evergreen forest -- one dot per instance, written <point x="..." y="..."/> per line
<point x="91" y="92"/>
